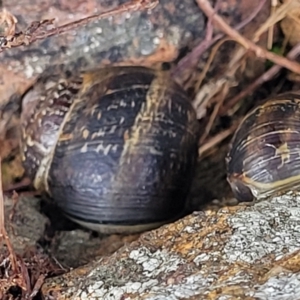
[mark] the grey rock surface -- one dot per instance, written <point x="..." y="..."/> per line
<point x="251" y="252"/>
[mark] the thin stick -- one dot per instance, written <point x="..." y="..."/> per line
<point x="2" y="225"/>
<point x="24" y="183"/>
<point x="37" y="286"/>
<point x="215" y="140"/>
<point x="247" y="44"/>
<point x="271" y="28"/>
<point x="215" y="112"/>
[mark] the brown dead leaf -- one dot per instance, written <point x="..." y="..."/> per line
<point x="11" y="170"/>
<point x="290" y="25"/>
<point x="7" y="23"/>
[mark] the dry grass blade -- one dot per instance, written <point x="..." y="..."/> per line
<point x="274" y="4"/>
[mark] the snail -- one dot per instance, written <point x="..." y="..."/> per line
<point x="114" y="147"/>
<point x="264" y="155"/>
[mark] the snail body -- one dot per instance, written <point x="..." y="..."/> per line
<point x="114" y="147"/>
<point x="264" y="156"/>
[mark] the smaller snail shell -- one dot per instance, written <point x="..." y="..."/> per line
<point x="264" y="156"/>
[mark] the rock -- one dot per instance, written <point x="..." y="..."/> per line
<point x="85" y="247"/>
<point x="246" y="252"/>
<point x="24" y="224"/>
<point x="162" y="36"/>
<point x="137" y="37"/>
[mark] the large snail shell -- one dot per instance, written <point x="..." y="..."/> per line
<point x="115" y="148"/>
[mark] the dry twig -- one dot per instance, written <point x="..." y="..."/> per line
<point x="217" y="139"/>
<point x="215" y="112"/>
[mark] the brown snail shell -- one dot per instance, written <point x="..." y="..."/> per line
<point x="264" y="156"/>
<point x="114" y="147"/>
